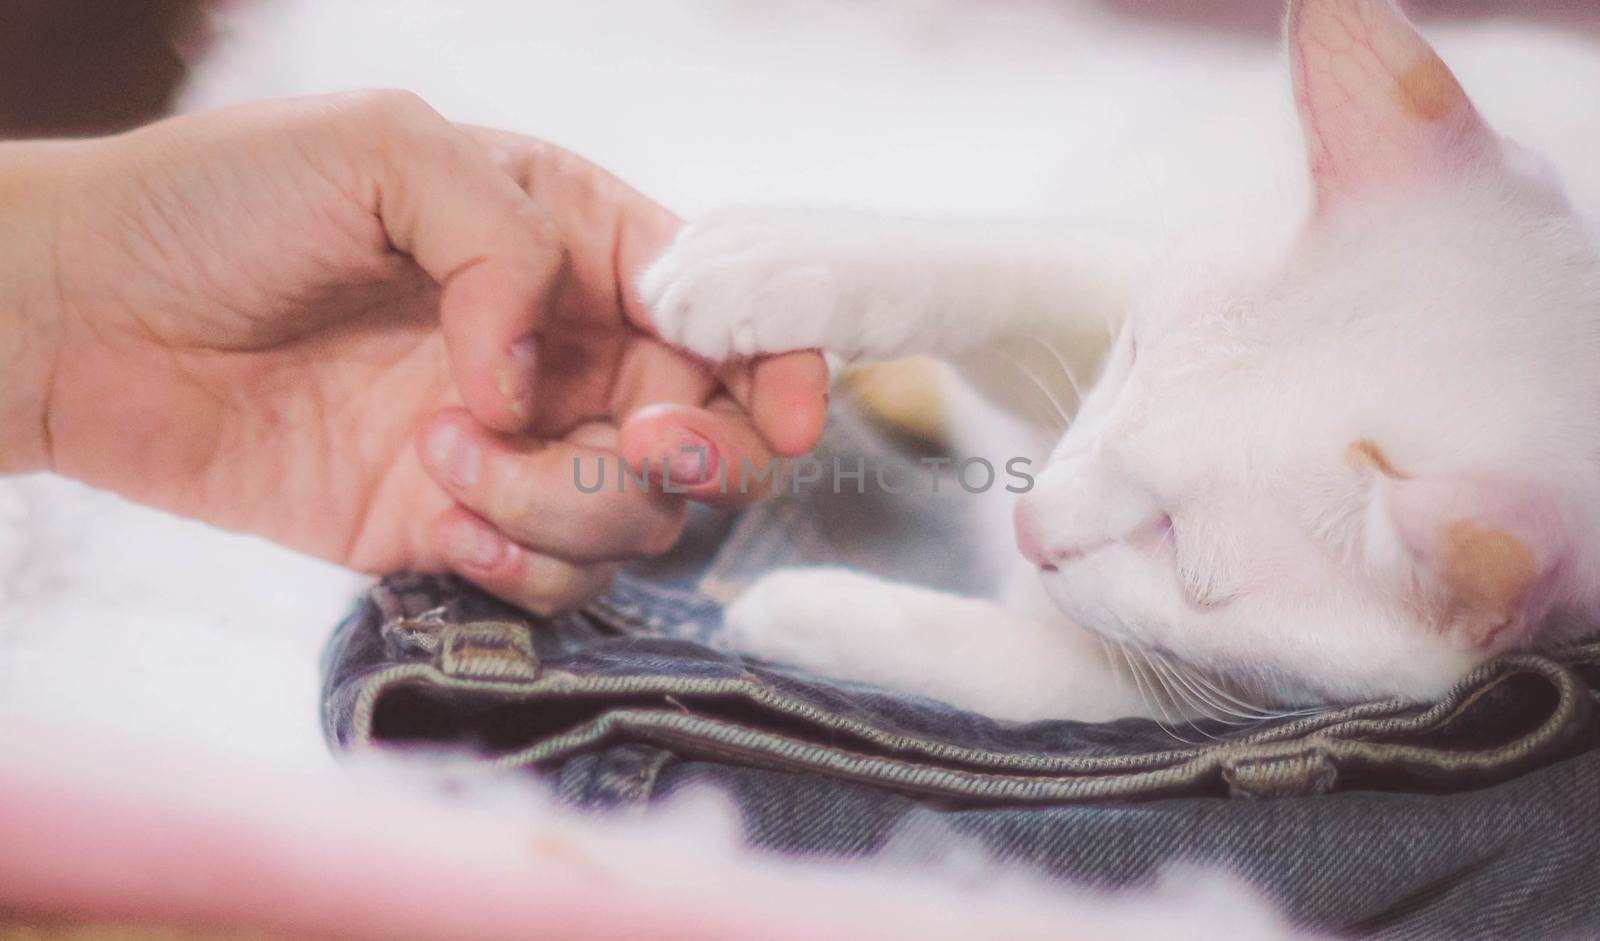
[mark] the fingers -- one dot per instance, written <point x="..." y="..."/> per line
<point x="539" y="583"/>
<point x="497" y="255"/>
<point x="563" y="499"/>
<point x="787" y="398"/>
<point x="724" y="453"/>
<point x="612" y="232"/>
<point x="529" y="274"/>
<point x="712" y="454"/>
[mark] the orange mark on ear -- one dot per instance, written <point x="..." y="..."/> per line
<point x="1487" y="570"/>
<point x="1429" y="92"/>
<point x="1366" y="453"/>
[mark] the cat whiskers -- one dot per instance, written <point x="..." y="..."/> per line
<point x="1166" y="539"/>
<point x="1198" y="696"/>
<point x="1183" y="694"/>
<point x="1177" y="694"/>
<point x="1066" y="370"/>
<point x="1222" y="703"/>
<point x="1111" y="660"/>
<point x="1182" y="697"/>
<point x="1150" y="689"/>
<point x="1060" y="415"/>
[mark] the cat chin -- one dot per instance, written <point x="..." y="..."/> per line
<point x="1424" y="674"/>
<point x="1128" y="597"/>
<point x="1120" y="593"/>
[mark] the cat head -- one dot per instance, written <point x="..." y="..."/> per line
<point x="1362" y="462"/>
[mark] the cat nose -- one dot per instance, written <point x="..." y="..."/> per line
<point x="1038" y="548"/>
<point x="1030" y="542"/>
<point x="1079" y="507"/>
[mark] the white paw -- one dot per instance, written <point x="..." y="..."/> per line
<point x="966" y="652"/>
<point x="749" y="282"/>
<point x="833" y="622"/>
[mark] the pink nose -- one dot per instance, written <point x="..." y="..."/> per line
<point x="1048" y="555"/>
<point x="1029" y="540"/>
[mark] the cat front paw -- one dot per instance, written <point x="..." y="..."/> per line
<point x="745" y="283"/>
<point x="966" y="652"/>
<point x="846" y="625"/>
<point x="808" y="618"/>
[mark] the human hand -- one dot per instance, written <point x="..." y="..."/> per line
<point x="366" y="333"/>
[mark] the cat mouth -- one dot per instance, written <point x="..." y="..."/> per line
<point x="1147" y="537"/>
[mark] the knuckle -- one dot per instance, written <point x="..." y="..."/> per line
<point x="392" y="108"/>
<point x="399" y="103"/>
<point x="544" y="238"/>
<point x="545" y="229"/>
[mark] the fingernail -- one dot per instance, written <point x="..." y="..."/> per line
<point x="454" y="456"/>
<point x="473" y="545"/>
<point x="694" y="460"/>
<point x="517" y="377"/>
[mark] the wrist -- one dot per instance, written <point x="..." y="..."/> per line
<point x="30" y="187"/>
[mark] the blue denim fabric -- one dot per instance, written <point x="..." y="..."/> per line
<point x="1477" y="816"/>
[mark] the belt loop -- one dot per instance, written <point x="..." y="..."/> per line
<point x="489" y="650"/>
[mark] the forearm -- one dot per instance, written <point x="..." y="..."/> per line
<point x="976" y="282"/>
<point x="30" y="176"/>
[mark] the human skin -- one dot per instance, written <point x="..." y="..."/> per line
<point x="368" y="334"/>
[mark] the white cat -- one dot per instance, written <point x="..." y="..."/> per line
<point x="1351" y="464"/>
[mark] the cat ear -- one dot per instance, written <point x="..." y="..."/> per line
<point x="1378" y="106"/>
<point x="1485" y="549"/>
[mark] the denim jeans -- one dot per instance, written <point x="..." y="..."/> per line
<point x="1474" y="816"/>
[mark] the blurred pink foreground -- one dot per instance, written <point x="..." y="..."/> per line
<point x="88" y="832"/>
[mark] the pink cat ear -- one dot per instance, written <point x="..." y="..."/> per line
<point x="1378" y="105"/>
<point x="1486" y="550"/>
